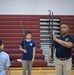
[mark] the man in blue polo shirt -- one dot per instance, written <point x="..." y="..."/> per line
<point x="4" y="61"/>
<point x="63" y="45"/>
<point x="27" y="47"/>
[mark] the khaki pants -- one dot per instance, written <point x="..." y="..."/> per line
<point x="25" y="65"/>
<point x="63" y="67"/>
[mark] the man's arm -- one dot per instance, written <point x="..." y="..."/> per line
<point x="8" y="70"/>
<point x="63" y="43"/>
<point x="49" y="56"/>
<point x="33" y="54"/>
<point x="23" y="49"/>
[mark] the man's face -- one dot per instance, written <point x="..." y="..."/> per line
<point x="64" y="29"/>
<point x="2" y="47"/>
<point x="28" y="36"/>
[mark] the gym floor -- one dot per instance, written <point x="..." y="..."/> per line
<point x="37" y="71"/>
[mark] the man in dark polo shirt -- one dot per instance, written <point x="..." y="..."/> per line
<point x="28" y="54"/>
<point x="63" y="45"/>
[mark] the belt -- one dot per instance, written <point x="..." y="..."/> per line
<point x="63" y="59"/>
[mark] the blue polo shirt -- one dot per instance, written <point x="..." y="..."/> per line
<point x="62" y="51"/>
<point x="4" y="62"/>
<point x="29" y="47"/>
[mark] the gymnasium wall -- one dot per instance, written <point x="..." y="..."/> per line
<point x="37" y="7"/>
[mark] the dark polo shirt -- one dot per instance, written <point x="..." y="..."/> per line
<point x="29" y="47"/>
<point x="62" y="51"/>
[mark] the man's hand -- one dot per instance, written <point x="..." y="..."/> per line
<point x="54" y="36"/>
<point x="32" y="61"/>
<point x="25" y="51"/>
<point x="50" y="59"/>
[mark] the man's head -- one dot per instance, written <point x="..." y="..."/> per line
<point x="64" y="29"/>
<point x="1" y="45"/>
<point x="28" y="35"/>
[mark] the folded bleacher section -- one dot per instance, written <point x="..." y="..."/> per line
<point x="11" y="34"/>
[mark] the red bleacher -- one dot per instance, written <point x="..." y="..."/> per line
<point x="11" y="34"/>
